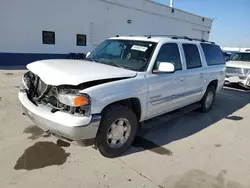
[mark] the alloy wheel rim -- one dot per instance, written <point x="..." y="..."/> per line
<point x="209" y="99"/>
<point x="118" y="133"/>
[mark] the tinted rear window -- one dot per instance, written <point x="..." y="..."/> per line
<point x="213" y="54"/>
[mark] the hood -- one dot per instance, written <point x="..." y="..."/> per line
<point x="238" y="64"/>
<point x="75" y="72"/>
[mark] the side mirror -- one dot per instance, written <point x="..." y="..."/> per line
<point x="165" y="67"/>
<point x="88" y="54"/>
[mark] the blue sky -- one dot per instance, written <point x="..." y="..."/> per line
<point x="231" y="26"/>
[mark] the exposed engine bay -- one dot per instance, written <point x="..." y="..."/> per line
<point x="41" y="93"/>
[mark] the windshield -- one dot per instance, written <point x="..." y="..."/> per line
<point x="241" y="57"/>
<point x="128" y="54"/>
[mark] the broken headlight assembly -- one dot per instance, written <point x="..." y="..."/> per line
<point x="75" y="103"/>
<point x="74" y="100"/>
<point x="28" y="79"/>
<point x="59" y="98"/>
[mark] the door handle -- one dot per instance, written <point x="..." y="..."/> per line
<point x="182" y="79"/>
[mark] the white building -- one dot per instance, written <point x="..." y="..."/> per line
<point x="32" y="30"/>
<point x="234" y="49"/>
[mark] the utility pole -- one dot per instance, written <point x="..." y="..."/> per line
<point x="171" y="3"/>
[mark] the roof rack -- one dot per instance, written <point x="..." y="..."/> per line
<point x="202" y="40"/>
<point x="179" y="37"/>
<point x="170" y="36"/>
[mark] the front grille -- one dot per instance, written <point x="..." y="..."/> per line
<point x="233" y="70"/>
<point x="43" y="93"/>
<point x="47" y="94"/>
<point x="39" y="92"/>
<point x="41" y="87"/>
<point x="237" y="71"/>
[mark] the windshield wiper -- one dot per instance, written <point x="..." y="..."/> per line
<point x="116" y="64"/>
<point x="113" y="63"/>
<point x="91" y="59"/>
<point x="109" y="63"/>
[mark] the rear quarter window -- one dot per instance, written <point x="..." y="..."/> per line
<point x="213" y="54"/>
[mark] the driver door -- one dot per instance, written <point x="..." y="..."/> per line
<point x="164" y="89"/>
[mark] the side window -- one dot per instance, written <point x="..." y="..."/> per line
<point x="169" y="53"/>
<point x="192" y="55"/>
<point x="213" y="54"/>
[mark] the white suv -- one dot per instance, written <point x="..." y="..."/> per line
<point x="238" y="69"/>
<point x="124" y="81"/>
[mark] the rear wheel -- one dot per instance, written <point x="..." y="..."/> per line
<point x="208" y="99"/>
<point x="117" y="130"/>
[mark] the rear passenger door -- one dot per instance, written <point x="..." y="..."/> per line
<point x="193" y="75"/>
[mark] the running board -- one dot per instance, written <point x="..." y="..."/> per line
<point x="170" y="115"/>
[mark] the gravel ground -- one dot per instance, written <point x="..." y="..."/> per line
<point x="192" y="151"/>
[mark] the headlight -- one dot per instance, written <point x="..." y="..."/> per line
<point x="74" y="100"/>
<point x="246" y="71"/>
<point x="28" y="79"/>
<point x="248" y="80"/>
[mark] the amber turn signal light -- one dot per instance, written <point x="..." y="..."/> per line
<point x="81" y="101"/>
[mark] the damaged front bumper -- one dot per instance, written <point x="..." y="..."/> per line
<point x="59" y="123"/>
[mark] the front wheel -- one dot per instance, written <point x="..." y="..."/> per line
<point x="117" y="130"/>
<point x="208" y="99"/>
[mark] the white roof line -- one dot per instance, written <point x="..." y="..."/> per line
<point x="158" y="39"/>
<point x="154" y="2"/>
<point x="163" y="15"/>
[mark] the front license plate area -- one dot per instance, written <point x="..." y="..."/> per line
<point x="234" y="79"/>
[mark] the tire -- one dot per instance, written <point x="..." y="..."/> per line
<point x="205" y="107"/>
<point x="113" y="115"/>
